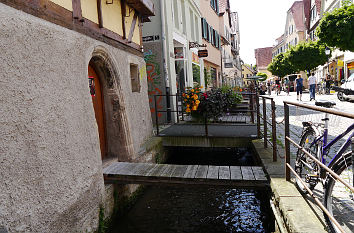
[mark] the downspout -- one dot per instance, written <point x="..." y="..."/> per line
<point x="164" y="60"/>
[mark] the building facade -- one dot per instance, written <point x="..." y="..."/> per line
<point x="263" y="59"/>
<point x="171" y="52"/>
<point x="74" y="99"/>
<point x="211" y="37"/>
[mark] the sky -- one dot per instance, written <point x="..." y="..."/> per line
<point x="261" y="22"/>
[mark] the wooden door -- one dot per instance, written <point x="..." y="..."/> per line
<point x="97" y="100"/>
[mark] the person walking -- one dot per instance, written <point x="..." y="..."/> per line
<point x="299" y="84"/>
<point x="287" y="85"/>
<point x="313" y="84"/>
<point x="269" y="88"/>
<point x="328" y="84"/>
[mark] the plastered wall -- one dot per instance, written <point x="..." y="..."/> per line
<point x="51" y="169"/>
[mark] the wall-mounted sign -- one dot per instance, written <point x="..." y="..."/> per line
<point x="151" y="38"/>
<point x="196" y="45"/>
<point x="202" y="53"/>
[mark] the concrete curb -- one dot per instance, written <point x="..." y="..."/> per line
<point x="296" y="213"/>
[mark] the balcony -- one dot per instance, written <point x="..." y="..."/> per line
<point x="145" y="7"/>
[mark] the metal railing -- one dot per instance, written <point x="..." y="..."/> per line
<point x="181" y="115"/>
<point x="288" y="167"/>
<point x="273" y="124"/>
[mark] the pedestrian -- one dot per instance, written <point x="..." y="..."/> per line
<point x="299" y="84"/>
<point x="269" y="88"/>
<point x="287" y="85"/>
<point x="328" y="83"/>
<point x="313" y="84"/>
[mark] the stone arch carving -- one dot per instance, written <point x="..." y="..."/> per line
<point x="118" y="137"/>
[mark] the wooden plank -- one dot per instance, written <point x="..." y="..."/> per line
<point x="236" y="173"/>
<point x="115" y="166"/>
<point x="132" y="28"/>
<point x="156" y="171"/>
<point x="77" y="13"/>
<point x="213" y="172"/>
<point x="224" y="173"/>
<point x="134" y="168"/>
<point x="122" y="169"/>
<point x="179" y="171"/>
<point x="201" y="172"/>
<point x="99" y="12"/>
<point x="143" y="170"/>
<point x="191" y="171"/>
<point x="258" y="173"/>
<point x="123" y="9"/>
<point x="168" y="171"/>
<point x="247" y="173"/>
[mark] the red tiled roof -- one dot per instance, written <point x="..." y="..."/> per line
<point x="263" y="56"/>
<point x="297" y="10"/>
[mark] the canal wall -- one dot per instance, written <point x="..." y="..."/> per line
<point x="51" y="166"/>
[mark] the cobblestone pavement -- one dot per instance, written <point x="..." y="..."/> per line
<point x="337" y="125"/>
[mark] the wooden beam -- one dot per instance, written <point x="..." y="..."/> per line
<point x="131" y="33"/>
<point x="124" y="13"/>
<point x="99" y="11"/>
<point x="77" y="13"/>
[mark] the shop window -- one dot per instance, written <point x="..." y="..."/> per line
<point x="134" y="77"/>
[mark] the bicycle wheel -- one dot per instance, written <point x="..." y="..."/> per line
<point x="305" y="167"/>
<point x="338" y="199"/>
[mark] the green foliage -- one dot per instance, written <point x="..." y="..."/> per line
<point x="196" y="74"/>
<point x="307" y="56"/>
<point x="280" y="66"/>
<point x="102" y="224"/>
<point x="336" y="28"/>
<point x="217" y="101"/>
<point x="264" y="75"/>
<point x="207" y="77"/>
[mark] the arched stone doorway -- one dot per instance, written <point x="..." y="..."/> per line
<point x="114" y="133"/>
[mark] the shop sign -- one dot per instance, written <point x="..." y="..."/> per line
<point x="202" y="53"/>
<point x="350" y="65"/>
<point x="196" y="45"/>
<point x="340" y="63"/>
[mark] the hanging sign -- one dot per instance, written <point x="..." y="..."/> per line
<point x="202" y="53"/>
<point x="196" y="45"/>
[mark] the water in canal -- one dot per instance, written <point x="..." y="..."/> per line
<point x="204" y="209"/>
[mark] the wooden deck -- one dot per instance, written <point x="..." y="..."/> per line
<point x="146" y="173"/>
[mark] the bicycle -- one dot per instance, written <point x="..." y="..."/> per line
<point x="338" y="199"/>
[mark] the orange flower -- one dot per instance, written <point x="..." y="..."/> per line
<point x="183" y="94"/>
<point x="194" y="108"/>
<point x="187" y="96"/>
<point x="197" y="102"/>
<point x="192" y="90"/>
<point x="188" y="110"/>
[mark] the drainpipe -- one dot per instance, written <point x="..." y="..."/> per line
<point x="164" y="61"/>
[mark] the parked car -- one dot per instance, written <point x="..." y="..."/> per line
<point x="346" y="91"/>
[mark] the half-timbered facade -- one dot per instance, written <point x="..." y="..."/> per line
<point x="73" y="100"/>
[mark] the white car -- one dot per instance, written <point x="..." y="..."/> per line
<point x="346" y="91"/>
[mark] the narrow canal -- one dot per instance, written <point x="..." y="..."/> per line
<point x="164" y="209"/>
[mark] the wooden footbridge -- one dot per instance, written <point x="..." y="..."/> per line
<point x="146" y="173"/>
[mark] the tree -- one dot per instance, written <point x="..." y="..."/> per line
<point x="307" y="56"/>
<point x="336" y="29"/>
<point x="264" y="75"/>
<point x="280" y="66"/>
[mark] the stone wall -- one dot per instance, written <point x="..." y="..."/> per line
<point x="51" y="168"/>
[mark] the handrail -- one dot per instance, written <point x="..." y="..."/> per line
<point x="322" y="109"/>
<point x="316" y="199"/>
<point x="181" y="113"/>
<point x="322" y="165"/>
<point x="273" y="124"/>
